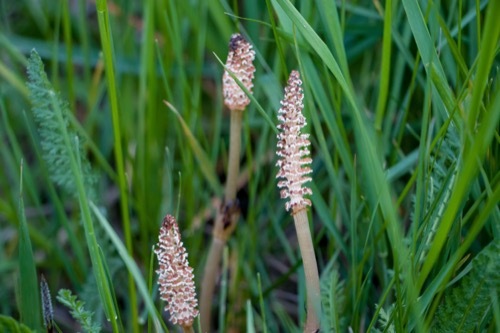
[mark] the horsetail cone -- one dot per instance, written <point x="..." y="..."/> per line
<point x="176" y="278"/>
<point x="240" y="62"/>
<point x="293" y="147"/>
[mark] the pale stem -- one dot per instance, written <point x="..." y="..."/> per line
<point x="233" y="167"/>
<point x="222" y="232"/>
<point x="208" y="283"/>
<point x="310" y="270"/>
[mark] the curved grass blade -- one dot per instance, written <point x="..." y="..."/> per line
<point x="131" y="266"/>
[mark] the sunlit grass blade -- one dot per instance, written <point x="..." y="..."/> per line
<point x="109" y="63"/>
<point x="250" y="320"/>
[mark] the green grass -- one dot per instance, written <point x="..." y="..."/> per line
<point x="402" y="100"/>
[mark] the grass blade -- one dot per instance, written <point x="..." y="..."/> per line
<point x="131" y="266"/>
<point x="29" y="308"/>
<point x="205" y="164"/>
<point x="108" y="51"/>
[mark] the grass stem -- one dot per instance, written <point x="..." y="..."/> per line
<point x="106" y="41"/>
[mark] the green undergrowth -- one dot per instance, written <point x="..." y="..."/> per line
<point x="111" y="116"/>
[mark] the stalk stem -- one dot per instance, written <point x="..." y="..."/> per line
<point x="310" y="269"/>
<point x="208" y="283"/>
<point x="233" y="167"/>
<point x="225" y="221"/>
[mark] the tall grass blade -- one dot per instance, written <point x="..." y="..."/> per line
<point x="109" y="61"/>
<point x="430" y="60"/>
<point x="261" y="304"/>
<point x="385" y="69"/>
<point x="131" y="266"/>
<point x="10" y="325"/>
<point x="250" y="323"/>
<point x="29" y="301"/>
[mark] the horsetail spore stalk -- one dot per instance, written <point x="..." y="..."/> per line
<point x="240" y="63"/>
<point x="176" y="278"/>
<point x="293" y="150"/>
<point x="293" y="147"/>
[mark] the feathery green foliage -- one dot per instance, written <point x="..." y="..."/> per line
<point x="385" y="322"/>
<point x="333" y="301"/>
<point x="63" y="154"/>
<point x="78" y="311"/>
<point x="51" y="115"/>
<point x="467" y="305"/>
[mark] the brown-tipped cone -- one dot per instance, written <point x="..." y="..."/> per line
<point x="176" y="278"/>
<point x="240" y="62"/>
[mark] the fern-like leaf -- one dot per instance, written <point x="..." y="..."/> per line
<point x="51" y="116"/>
<point x="384" y="321"/>
<point x="78" y="311"/>
<point x="466" y="306"/>
<point x="333" y="299"/>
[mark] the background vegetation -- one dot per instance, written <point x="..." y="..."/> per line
<point x="403" y="104"/>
